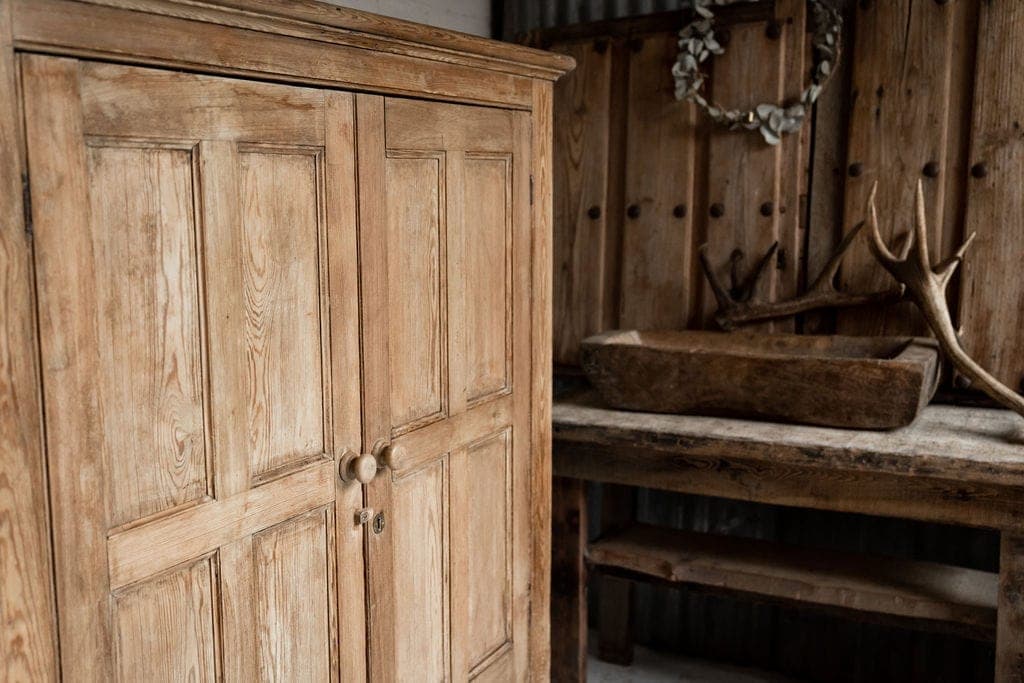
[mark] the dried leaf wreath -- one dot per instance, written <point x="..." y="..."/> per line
<point x="697" y="43"/>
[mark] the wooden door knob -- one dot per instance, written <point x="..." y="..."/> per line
<point x="392" y="456"/>
<point x="361" y="467"/>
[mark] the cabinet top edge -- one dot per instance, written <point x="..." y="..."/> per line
<point x="343" y="25"/>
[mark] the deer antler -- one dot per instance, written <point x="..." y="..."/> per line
<point x="927" y="287"/>
<point x="739" y="305"/>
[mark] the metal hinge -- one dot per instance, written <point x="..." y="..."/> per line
<point x="26" y="203"/>
<point x="531" y="189"/>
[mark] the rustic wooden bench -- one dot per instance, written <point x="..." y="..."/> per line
<point x="954" y="465"/>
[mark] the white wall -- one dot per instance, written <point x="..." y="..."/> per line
<point x="468" y="16"/>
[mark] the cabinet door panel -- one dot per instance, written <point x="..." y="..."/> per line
<point x="142" y="206"/>
<point x="190" y="335"/>
<point x="414" y="303"/>
<point x="444" y="209"/>
<point x="164" y="627"/>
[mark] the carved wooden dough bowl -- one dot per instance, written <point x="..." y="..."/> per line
<point x="832" y="381"/>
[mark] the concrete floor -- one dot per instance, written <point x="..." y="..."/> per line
<point x="657" y="667"/>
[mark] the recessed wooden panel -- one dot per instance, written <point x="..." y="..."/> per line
<point x="164" y="627"/>
<point x="292" y="562"/>
<point x="415" y="313"/>
<point x="131" y="102"/>
<point x="150" y="369"/>
<point x="419" y="525"/>
<point x="489" y="561"/>
<point x="487" y="216"/>
<point x="280" y="241"/>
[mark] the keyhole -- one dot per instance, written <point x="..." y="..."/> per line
<point x="378" y="523"/>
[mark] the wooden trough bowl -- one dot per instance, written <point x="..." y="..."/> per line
<point x="832" y="381"/>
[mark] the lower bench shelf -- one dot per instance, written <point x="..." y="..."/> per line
<point x="922" y="594"/>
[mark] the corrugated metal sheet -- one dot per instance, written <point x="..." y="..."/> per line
<point x="525" y="15"/>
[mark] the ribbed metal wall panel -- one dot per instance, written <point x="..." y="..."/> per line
<point x="525" y="15"/>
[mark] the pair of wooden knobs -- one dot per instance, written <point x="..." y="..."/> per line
<point x="362" y="467"/>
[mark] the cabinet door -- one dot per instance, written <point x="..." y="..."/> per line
<point x="444" y="239"/>
<point x="195" y="242"/>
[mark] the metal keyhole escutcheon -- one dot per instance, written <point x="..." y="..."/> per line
<point x="378" y="523"/>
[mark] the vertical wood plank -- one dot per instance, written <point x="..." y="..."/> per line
<point x="569" y="581"/>
<point x="73" y="415"/>
<point x="992" y="290"/>
<point x="743" y="170"/>
<point x="581" y="210"/>
<point x="373" y="274"/>
<point x="901" y="59"/>
<point x="540" y="385"/>
<point x="28" y="647"/>
<point x="794" y="152"/>
<point x="343" y="283"/>
<point x="657" y="244"/>
<point x="615" y="633"/>
<point x="1010" y="610"/>
<point x="523" y="529"/>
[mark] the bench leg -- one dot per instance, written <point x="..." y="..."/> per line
<point x="1010" y="619"/>
<point x="615" y="594"/>
<point x="568" y="581"/>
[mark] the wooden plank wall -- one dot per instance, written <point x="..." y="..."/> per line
<point x="901" y="108"/>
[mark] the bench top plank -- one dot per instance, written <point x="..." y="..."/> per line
<point x="977" y="445"/>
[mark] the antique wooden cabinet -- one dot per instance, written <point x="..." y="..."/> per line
<point x="275" y="350"/>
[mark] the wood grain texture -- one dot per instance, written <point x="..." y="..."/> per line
<point x="540" y="382"/>
<point x="992" y="295"/>
<point x="74" y="415"/>
<point x="898" y="123"/>
<point x="858" y="382"/>
<point x="657" y="247"/>
<point x="569" y="580"/>
<point x="488" y="272"/>
<point x="583" y="217"/>
<point x="292" y="588"/>
<point x="615" y="594"/>
<point x="417" y="342"/>
<point x="380" y="32"/>
<point x="28" y="642"/>
<point x="972" y="445"/>
<point x="451" y="205"/>
<point x="1010" y="634"/>
<point x="744" y="172"/>
<point x="79" y="28"/>
<point x="280" y="214"/>
<point x="346" y="385"/>
<point x="184" y="646"/>
<point x="930" y="595"/>
<point x="151" y="376"/>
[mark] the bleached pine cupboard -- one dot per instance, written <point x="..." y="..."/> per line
<point x="274" y="345"/>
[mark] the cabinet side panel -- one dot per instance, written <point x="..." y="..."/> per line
<point x="28" y="641"/>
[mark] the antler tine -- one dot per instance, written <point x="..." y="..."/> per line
<point x="752" y="285"/>
<point x="877" y="244"/>
<point x="725" y="301"/>
<point x="824" y="281"/>
<point x="947" y="268"/>
<point x="921" y="230"/>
